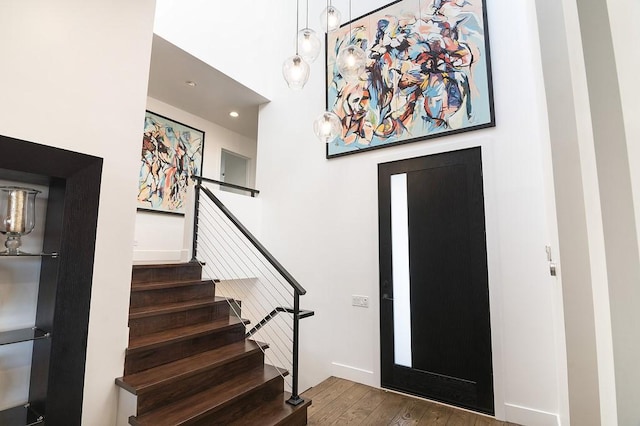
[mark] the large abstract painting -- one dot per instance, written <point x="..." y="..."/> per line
<point x="427" y="74"/>
<point x="171" y="153"/>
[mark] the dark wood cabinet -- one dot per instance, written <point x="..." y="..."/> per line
<point x="64" y="294"/>
<point x="23" y="414"/>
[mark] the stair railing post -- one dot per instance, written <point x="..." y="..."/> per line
<point x="295" y="398"/>
<point x="196" y="211"/>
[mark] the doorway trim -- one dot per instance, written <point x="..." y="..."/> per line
<point x="407" y="190"/>
<point x="492" y="244"/>
<point x="225" y="152"/>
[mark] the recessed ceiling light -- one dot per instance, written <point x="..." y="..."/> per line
<point x="234" y="114"/>
<point x="190" y="83"/>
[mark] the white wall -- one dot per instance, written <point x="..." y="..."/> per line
<point x="578" y="215"/>
<point x="622" y="16"/>
<point x="615" y="184"/>
<point x="74" y="77"/>
<point x="19" y="282"/>
<point x="159" y="237"/>
<point x="235" y="38"/>
<point x="320" y="213"/>
<point x="320" y="217"/>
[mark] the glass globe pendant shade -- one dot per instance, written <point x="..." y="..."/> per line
<point x="17" y="216"/>
<point x="351" y="62"/>
<point x="327" y="126"/>
<point x="308" y="44"/>
<point x="296" y="72"/>
<point x="330" y="19"/>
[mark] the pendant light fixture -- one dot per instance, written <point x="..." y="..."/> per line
<point x="351" y="60"/>
<point x="296" y="72"/>
<point x="295" y="69"/>
<point x="327" y="126"/>
<point x="330" y="18"/>
<point x="351" y="63"/>
<point x="308" y="42"/>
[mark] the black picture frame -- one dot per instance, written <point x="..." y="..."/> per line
<point x="171" y="153"/>
<point x="424" y="78"/>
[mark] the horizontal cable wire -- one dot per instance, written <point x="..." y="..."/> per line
<point x="211" y="248"/>
<point x="252" y="249"/>
<point x="244" y="273"/>
<point x="241" y="237"/>
<point x="250" y="283"/>
<point x="281" y="355"/>
<point x="252" y="273"/>
<point x="236" y="255"/>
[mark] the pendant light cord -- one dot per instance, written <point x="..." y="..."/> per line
<point x="350" y="35"/>
<point x="327" y="10"/>
<point x="307" y="14"/>
<point x="297" y="23"/>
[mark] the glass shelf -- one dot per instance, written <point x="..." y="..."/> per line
<point x="52" y="255"/>
<point x="22" y="335"/>
<point x="23" y="415"/>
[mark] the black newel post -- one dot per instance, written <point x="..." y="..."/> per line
<point x="295" y="398"/>
<point x="196" y="211"/>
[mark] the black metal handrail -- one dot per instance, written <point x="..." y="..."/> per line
<point x="253" y="240"/>
<point x="298" y="290"/>
<point x="201" y="179"/>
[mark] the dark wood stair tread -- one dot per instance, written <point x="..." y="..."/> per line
<point x="272" y="412"/>
<point x="187" y="367"/>
<point x="147" y="380"/>
<point x="167" y="308"/>
<point x="161" y="338"/>
<point x="168" y="284"/>
<point x="197" y="406"/>
<point x="166" y="272"/>
<point x="163" y="265"/>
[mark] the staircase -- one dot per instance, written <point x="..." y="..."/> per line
<point x="188" y="361"/>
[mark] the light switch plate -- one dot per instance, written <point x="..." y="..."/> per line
<point x="361" y="301"/>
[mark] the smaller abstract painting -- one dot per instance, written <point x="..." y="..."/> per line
<point x="171" y="153"/>
<point x="427" y="74"/>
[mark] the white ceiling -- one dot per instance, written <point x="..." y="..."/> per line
<point x="214" y="96"/>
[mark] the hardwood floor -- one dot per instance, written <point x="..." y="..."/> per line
<point x="341" y="402"/>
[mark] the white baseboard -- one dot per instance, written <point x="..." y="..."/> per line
<point x="354" y="374"/>
<point x="160" y="255"/>
<point x="529" y="416"/>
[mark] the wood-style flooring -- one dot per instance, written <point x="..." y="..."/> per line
<point x="341" y="402"/>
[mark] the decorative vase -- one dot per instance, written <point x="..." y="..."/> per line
<point x="17" y="216"/>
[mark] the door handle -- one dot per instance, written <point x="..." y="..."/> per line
<point x="385" y="287"/>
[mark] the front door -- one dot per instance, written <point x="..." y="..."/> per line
<point x="434" y="295"/>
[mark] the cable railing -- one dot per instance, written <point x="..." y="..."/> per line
<point x="257" y="287"/>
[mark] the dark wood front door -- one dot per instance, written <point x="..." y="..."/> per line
<point x="434" y="297"/>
